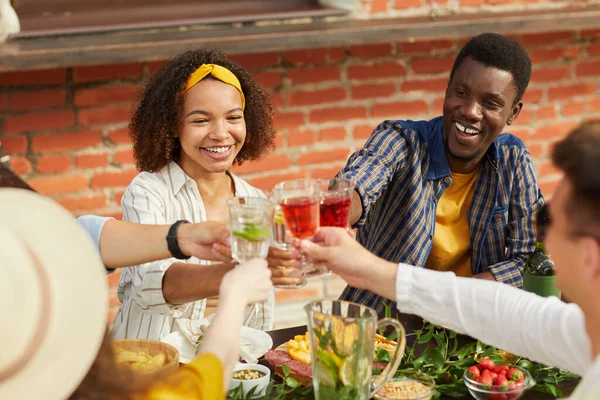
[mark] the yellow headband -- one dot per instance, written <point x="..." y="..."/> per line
<point x="221" y="73"/>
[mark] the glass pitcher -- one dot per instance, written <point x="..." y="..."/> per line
<point x="342" y="343"/>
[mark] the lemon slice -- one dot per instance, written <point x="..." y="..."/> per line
<point x="346" y="373"/>
<point x="278" y="216"/>
<point x="325" y="376"/>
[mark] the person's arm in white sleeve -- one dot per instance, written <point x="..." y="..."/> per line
<point x="545" y="330"/>
<point x="542" y="329"/>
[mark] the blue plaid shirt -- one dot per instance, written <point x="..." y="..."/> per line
<point x="401" y="173"/>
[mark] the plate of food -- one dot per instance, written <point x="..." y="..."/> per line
<point x="297" y="356"/>
<point x="254" y="341"/>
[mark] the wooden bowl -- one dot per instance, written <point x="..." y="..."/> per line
<point x="153" y="347"/>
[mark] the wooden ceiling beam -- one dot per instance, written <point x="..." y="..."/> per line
<point x="159" y="44"/>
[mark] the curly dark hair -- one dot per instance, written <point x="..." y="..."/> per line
<point x="160" y="108"/>
<point x="498" y="51"/>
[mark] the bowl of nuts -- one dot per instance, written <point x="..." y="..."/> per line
<point x="253" y="378"/>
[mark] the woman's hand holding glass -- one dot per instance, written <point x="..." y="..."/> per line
<point x="281" y="263"/>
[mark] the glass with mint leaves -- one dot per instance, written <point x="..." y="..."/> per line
<point x="250" y="221"/>
<point x="342" y="344"/>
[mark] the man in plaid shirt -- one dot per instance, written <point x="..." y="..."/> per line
<point x="453" y="193"/>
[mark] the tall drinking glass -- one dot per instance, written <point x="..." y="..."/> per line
<point x="250" y="221"/>
<point x="283" y="241"/>
<point x="335" y="200"/>
<point x="299" y="201"/>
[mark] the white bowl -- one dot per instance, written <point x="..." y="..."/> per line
<point x="247" y="385"/>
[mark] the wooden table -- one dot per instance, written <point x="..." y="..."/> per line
<point x="410" y="323"/>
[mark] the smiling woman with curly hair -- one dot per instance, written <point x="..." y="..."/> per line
<point x="154" y="126"/>
<point x="197" y="116"/>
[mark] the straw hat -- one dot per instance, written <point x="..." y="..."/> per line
<point x="54" y="298"/>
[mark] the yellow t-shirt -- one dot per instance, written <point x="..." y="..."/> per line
<point x="451" y="241"/>
<point x="202" y="379"/>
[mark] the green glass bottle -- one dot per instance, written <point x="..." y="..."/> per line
<point x="539" y="275"/>
<point x="539" y="262"/>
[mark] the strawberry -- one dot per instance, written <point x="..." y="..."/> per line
<point x="497" y="396"/>
<point x="502" y="383"/>
<point x="500" y="368"/>
<point x="486" y="363"/>
<point x="515" y="375"/>
<point x="513" y="387"/>
<point x="473" y="372"/>
<point x="494" y="377"/>
<point x="486" y="372"/>
<point x="486" y="381"/>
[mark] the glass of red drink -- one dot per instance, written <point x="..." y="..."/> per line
<point x="295" y="277"/>
<point x="334" y="206"/>
<point x="335" y="200"/>
<point x="299" y="202"/>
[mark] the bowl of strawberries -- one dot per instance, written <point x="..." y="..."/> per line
<point x="488" y="381"/>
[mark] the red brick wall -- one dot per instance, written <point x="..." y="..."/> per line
<point x="66" y="129"/>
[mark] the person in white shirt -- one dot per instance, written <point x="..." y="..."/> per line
<point x="545" y="330"/>
<point x="196" y="117"/>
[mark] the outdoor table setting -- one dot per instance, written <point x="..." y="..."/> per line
<point x="346" y="350"/>
<point x="421" y="337"/>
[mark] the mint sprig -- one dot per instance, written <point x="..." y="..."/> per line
<point x="252" y="233"/>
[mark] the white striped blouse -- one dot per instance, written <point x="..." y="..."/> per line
<point x="165" y="197"/>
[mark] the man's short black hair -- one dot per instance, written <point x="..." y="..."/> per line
<point x="498" y="51"/>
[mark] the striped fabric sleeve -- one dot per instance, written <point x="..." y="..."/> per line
<point x="143" y="205"/>
<point x="526" y="200"/>
<point x="372" y="168"/>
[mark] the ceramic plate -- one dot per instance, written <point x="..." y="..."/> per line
<point x="256" y="342"/>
